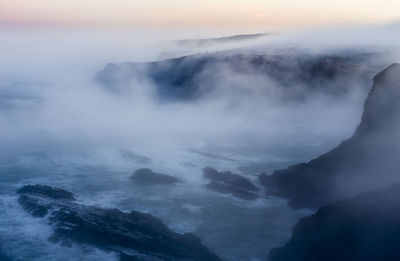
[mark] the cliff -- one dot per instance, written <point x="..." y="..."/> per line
<point x="366" y="161"/>
<point x="364" y="228"/>
<point x="195" y="76"/>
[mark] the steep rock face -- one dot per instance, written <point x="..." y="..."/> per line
<point x="229" y="183"/>
<point x="196" y="76"/>
<point x="368" y="160"/>
<point x="135" y="236"/>
<point x="364" y="228"/>
<point x="382" y="105"/>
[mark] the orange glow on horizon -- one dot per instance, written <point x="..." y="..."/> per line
<point x="207" y="14"/>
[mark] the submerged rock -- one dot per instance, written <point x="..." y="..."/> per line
<point x="149" y="177"/>
<point x="229" y="183"/>
<point x="134" y="157"/>
<point x="211" y="155"/>
<point x="364" y="228"/>
<point x="135" y="235"/>
<point x="367" y="161"/>
<point x="188" y="164"/>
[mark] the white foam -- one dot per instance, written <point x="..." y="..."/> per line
<point x="193" y="209"/>
<point x="24" y="237"/>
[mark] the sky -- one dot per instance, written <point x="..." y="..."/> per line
<point x="246" y="15"/>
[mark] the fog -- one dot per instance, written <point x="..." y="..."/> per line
<point x="247" y="105"/>
<point x="47" y="77"/>
<point x="50" y="98"/>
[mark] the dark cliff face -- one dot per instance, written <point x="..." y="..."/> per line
<point x="382" y="106"/>
<point x="364" y="228"/>
<point x="134" y="236"/>
<point x="368" y="160"/>
<point x="196" y="76"/>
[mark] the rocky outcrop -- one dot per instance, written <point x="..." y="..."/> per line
<point x="195" y="76"/>
<point x="149" y="177"/>
<point x="364" y="228"/>
<point x="135" y="236"/>
<point x="229" y="183"/>
<point x="367" y="161"/>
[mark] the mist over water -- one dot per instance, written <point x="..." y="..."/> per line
<point x="58" y="126"/>
<point x="47" y="79"/>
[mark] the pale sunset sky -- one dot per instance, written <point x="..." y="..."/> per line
<point x="255" y="14"/>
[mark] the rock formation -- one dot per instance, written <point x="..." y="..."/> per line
<point x="195" y="76"/>
<point x="368" y="160"/>
<point x="134" y="236"/>
<point x="364" y="228"/>
<point x="149" y="177"/>
<point x="229" y="183"/>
